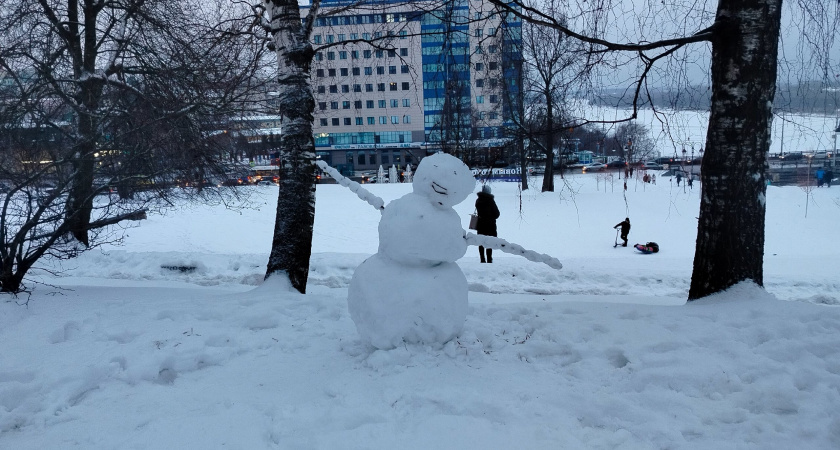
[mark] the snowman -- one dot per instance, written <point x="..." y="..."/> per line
<point x="411" y="290"/>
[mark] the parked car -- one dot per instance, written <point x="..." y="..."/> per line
<point x="592" y="167"/>
<point x="617" y="163"/>
<point x="264" y="183"/>
<point x="651" y="165"/>
<point x="792" y="156"/>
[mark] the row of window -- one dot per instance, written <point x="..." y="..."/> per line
<point x="331" y="38"/>
<point x="380" y="87"/>
<point x="364" y="19"/>
<point x="357" y="71"/>
<point x="355" y="54"/>
<point x="383" y="120"/>
<point x="369" y="104"/>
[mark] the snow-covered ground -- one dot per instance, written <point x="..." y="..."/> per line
<point x="115" y="351"/>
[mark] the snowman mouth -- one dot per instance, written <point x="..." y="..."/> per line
<point x="439" y="189"/>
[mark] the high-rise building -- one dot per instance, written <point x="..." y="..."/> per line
<point x="394" y="81"/>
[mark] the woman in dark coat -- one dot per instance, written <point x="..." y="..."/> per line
<point x="488" y="212"/>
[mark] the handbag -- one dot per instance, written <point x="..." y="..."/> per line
<point x="473" y="221"/>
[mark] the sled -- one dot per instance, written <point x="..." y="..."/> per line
<point x="650" y="247"/>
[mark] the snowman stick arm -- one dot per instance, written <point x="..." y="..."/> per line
<point x="514" y="249"/>
<point x="354" y="187"/>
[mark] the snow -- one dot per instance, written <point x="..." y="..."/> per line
<point x="115" y="351"/>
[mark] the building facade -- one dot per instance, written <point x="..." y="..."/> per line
<point x="395" y="81"/>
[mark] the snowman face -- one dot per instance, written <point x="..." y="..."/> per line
<point x="444" y="179"/>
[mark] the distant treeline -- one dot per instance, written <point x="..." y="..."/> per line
<point x="805" y="98"/>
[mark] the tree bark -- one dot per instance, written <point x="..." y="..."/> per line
<point x="730" y="235"/>
<point x="291" y="245"/>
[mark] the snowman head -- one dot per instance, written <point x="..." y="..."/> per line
<point x="444" y="179"/>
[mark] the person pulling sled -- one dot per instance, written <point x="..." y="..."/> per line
<point x="625" y="230"/>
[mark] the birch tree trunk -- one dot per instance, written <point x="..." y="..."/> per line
<point x="730" y="235"/>
<point x="291" y="245"/>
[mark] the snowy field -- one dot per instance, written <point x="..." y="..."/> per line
<point x="113" y="351"/>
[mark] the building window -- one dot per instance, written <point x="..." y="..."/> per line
<point x="405" y="86"/>
<point x="345" y="104"/>
<point x="493" y="65"/>
<point x="494" y="99"/>
<point x="493" y="115"/>
<point x="371" y="121"/>
<point x="395" y="119"/>
<point x="330" y="39"/>
<point x="362" y="158"/>
<point x="356" y="71"/>
<point x="368" y="70"/>
<point x="330" y="56"/>
<point x="403" y="52"/>
<point x="392" y="53"/>
<point x="357" y="104"/>
<point x="319" y="56"/>
<point x="357" y="88"/>
<point x="342" y="54"/>
<point x="395" y="103"/>
<point x="382" y="103"/>
<point x="479" y="99"/>
<point x="393" y="86"/>
<point x="380" y="53"/>
<point x="341" y="37"/>
<point x="333" y="105"/>
<point x="322" y="89"/>
<point x="331" y="72"/>
<point x="380" y="87"/>
<point x="406" y="119"/>
<point x="406" y="102"/>
<point x="380" y="70"/>
<point x="403" y="34"/>
<point x="347" y="121"/>
<point x="335" y="122"/>
<point x="316" y="39"/>
<point x="369" y="103"/>
<point x="478" y="50"/>
<point x="404" y="69"/>
<point x="333" y="89"/>
<point x="319" y="73"/>
<point x="324" y="122"/>
<point x="344" y="72"/>
<point x="383" y="120"/>
<point x="392" y="70"/>
<point x="368" y="87"/>
<point x="479" y="67"/>
<point x="479" y="82"/>
<point x="478" y="32"/>
<point x="359" y="121"/>
<point x="366" y="36"/>
<point x="322" y="105"/>
<point x="354" y="54"/>
<point x="345" y="88"/>
<point x="491" y="31"/>
<point x="366" y="54"/>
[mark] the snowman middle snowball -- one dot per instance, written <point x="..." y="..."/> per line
<point x="412" y="290"/>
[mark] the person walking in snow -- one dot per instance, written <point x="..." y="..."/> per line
<point x="625" y="230"/>
<point x="488" y="212"/>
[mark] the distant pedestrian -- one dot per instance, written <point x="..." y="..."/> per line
<point x="625" y="230"/>
<point x="690" y="181"/>
<point x="679" y="178"/>
<point x="829" y="174"/>
<point x="488" y="212"/>
<point x="653" y="178"/>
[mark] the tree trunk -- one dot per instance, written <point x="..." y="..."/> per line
<point x="730" y="235"/>
<point x="548" y="177"/>
<point x="291" y="245"/>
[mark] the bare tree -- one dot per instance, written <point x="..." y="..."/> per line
<point x="123" y="95"/>
<point x="744" y="37"/>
